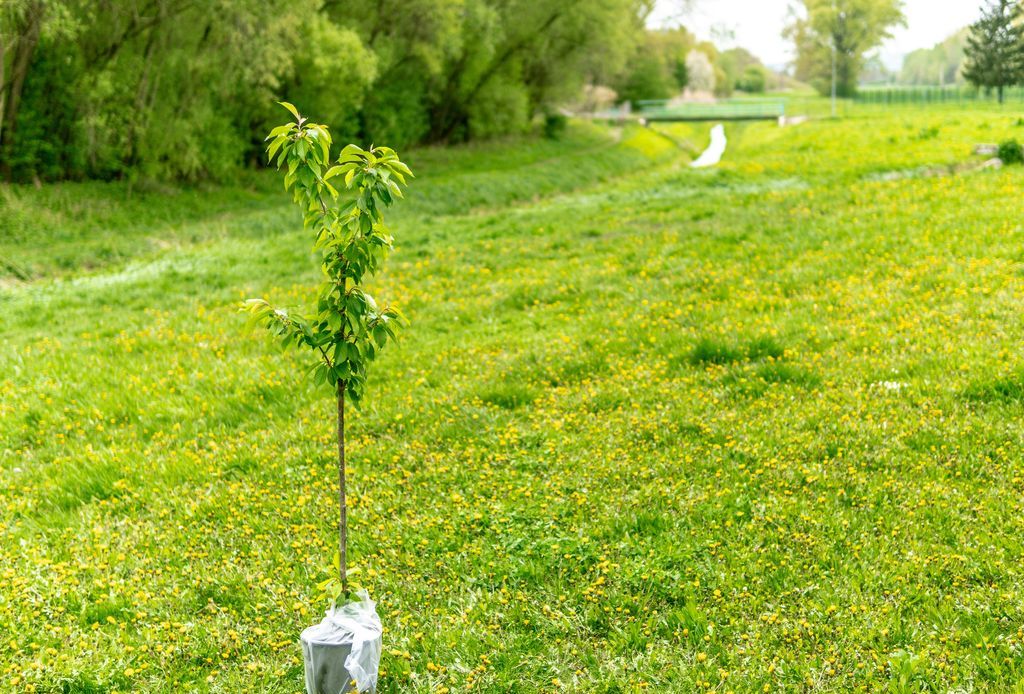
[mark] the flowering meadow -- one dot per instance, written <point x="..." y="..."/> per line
<point x="756" y="428"/>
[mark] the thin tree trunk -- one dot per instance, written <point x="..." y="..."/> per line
<point x="24" y="47"/>
<point x="140" y="112"/>
<point x="3" y="85"/>
<point x="342" y="504"/>
<point x="1000" y="88"/>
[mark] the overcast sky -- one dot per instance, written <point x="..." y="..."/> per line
<point x="757" y="25"/>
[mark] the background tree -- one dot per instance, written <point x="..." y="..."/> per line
<point x="675" y="44"/>
<point x="850" y="27"/>
<point x="647" y="77"/>
<point x="723" y="83"/>
<point x="874" y="71"/>
<point x="995" y="47"/>
<point x="475" y="68"/>
<point x="701" y="71"/>
<point x="941" y="64"/>
<point x="743" y="69"/>
<point x="657" y="69"/>
<point x="160" y="88"/>
<point x="754" y="80"/>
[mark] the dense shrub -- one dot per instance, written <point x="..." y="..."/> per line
<point x="754" y="80"/>
<point x="49" y="138"/>
<point x="1011" y="152"/>
<point x="648" y="77"/>
<point x="658" y="69"/>
<point x="555" y="125"/>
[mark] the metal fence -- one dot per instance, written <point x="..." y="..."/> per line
<point x="775" y="106"/>
<point x="951" y="95"/>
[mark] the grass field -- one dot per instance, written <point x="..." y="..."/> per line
<point x="755" y="428"/>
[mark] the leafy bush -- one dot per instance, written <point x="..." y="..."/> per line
<point x="333" y="55"/>
<point x="501" y="108"/>
<point x="647" y="77"/>
<point x="754" y="80"/>
<point x="1011" y="152"/>
<point x="555" y="125"/>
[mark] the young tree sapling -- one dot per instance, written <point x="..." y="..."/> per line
<point x="348" y="329"/>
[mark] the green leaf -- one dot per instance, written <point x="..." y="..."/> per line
<point x="352" y="153"/>
<point x="294" y="111"/>
<point x="274" y="146"/>
<point x="339" y="169"/>
<point x="280" y="130"/>
<point x="402" y="168"/>
<point x="325" y="146"/>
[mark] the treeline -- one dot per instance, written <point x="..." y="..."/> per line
<point x="941" y="64"/>
<point x="184" y="89"/>
<point x="668" y="61"/>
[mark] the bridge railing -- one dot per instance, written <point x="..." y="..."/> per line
<point x="752" y="109"/>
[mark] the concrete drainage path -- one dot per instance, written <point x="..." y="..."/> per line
<point x="713" y="154"/>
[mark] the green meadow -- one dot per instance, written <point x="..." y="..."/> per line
<point x="755" y="428"/>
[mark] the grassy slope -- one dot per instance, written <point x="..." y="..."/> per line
<point x="733" y="429"/>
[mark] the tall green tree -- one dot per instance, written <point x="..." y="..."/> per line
<point x="995" y="47"/>
<point x="450" y="70"/>
<point x="657" y="69"/>
<point x="675" y="44"/>
<point x="647" y="77"/>
<point x="845" y="30"/>
<point x="538" y="53"/>
<point x="743" y="69"/>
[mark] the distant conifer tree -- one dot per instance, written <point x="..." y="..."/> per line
<point x="995" y="47"/>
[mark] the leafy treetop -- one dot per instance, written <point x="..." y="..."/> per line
<point x="348" y="329"/>
<point x="843" y="31"/>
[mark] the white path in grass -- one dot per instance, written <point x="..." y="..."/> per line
<point x="713" y="154"/>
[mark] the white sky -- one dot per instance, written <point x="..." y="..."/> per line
<point x="757" y="25"/>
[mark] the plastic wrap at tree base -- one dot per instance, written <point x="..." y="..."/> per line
<point x="344" y="649"/>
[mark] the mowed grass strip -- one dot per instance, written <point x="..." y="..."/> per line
<point x="733" y="429"/>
